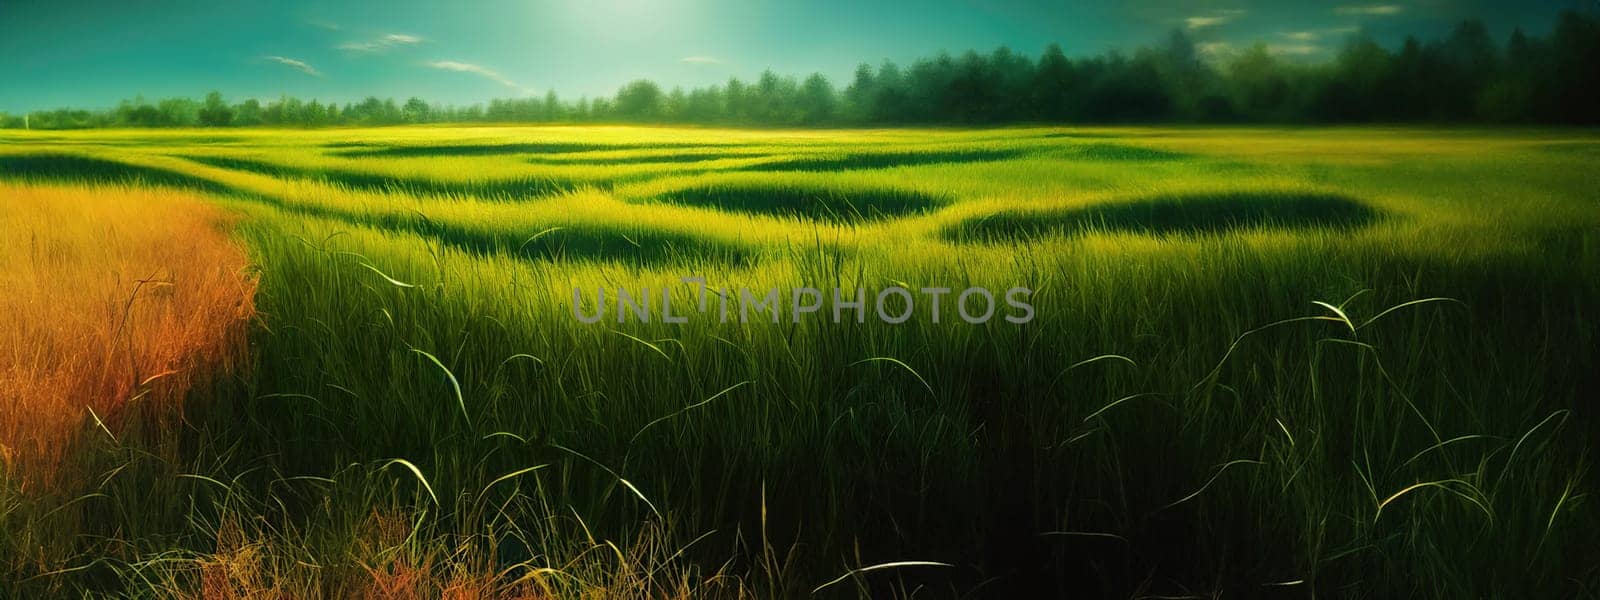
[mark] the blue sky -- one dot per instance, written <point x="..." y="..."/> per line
<point x="92" y="53"/>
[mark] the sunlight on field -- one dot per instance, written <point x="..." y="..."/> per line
<point x="116" y="300"/>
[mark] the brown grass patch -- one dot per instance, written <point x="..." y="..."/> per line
<point x="115" y="300"/>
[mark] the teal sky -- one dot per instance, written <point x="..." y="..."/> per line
<point x="92" y="53"/>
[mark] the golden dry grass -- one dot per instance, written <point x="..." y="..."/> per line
<point x="114" y="299"/>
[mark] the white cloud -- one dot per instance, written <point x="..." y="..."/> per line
<point x="298" y="65"/>
<point x="384" y="42"/>
<point x="1215" y="49"/>
<point x="1369" y="10"/>
<point x="479" y="70"/>
<point x="1294" y="49"/>
<point x="1214" y="18"/>
<point x="701" y="60"/>
<point x="1311" y="35"/>
<point x="323" y="24"/>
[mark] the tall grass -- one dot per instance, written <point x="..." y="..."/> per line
<point x="115" y="298"/>
<point x="1391" y="407"/>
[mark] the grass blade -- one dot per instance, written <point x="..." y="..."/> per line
<point x="418" y="473"/>
<point x="454" y="385"/>
<point x="880" y="567"/>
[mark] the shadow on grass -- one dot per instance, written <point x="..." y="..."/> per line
<point x="1573" y="149"/>
<point x="359" y="150"/>
<point x="880" y="160"/>
<point x="1078" y="135"/>
<point x="145" y="140"/>
<point x="839" y="206"/>
<point x="684" y="157"/>
<point x="1173" y="215"/>
<point x="627" y="244"/>
<point x="492" y="188"/>
<point x="73" y="168"/>
<point x="622" y="244"/>
<point x="1118" y="152"/>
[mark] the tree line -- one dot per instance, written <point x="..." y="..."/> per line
<point x="1467" y="76"/>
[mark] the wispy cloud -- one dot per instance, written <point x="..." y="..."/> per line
<point x="1312" y="35"/>
<point x="1215" y="49"/>
<point x="1369" y="10"/>
<point x="479" y="70"/>
<point x="298" y="65"/>
<point x="701" y="60"/>
<point x="323" y="24"/>
<point x="1214" y="18"/>
<point x="384" y="42"/>
<point x="1294" y="49"/>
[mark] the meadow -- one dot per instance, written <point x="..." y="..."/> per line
<point x="1352" y="362"/>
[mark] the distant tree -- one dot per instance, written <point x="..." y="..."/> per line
<point x="553" y="110"/>
<point x="1054" y="88"/>
<point x="1191" y="84"/>
<point x="315" y="115"/>
<point x="601" y="109"/>
<point x="1514" y="94"/>
<point x="737" y="107"/>
<point x="972" y="90"/>
<point x="139" y="113"/>
<point x="818" y="102"/>
<point x="179" y="112"/>
<point x="247" y="113"/>
<point x="1465" y="64"/>
<point x="214" y="112"/>
<point x="639" y="100"/>
<point x="1409" y="92"/>
<point x="928" y="91"/>
<point x="706" y="105"/>
<point x="770" y="99"/>
<point x="1125" y="90"/>
<point x="891" y="99"/>
<point x="391" y="113"/>
<point x="859" y="95"/>
<point x="676" y="105"/>
<point x="415" y="110"/>
<point x="1355" y="89"/>
<point x="1013" y="75"/>
<point x="294" y="111"/>
<point x="1573" y="77"/>
<point x="369" y="111"/>
<point x="1259" y="85"/>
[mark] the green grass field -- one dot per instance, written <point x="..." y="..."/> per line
<point x="1264" y="362"/>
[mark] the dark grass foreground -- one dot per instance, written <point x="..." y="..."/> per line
<point x="1173" y="215"/>
<point x="1427" y="450"/>
<point x="821" y="204"/>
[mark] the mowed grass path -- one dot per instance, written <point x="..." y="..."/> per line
<point x="1330" y="361"/>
